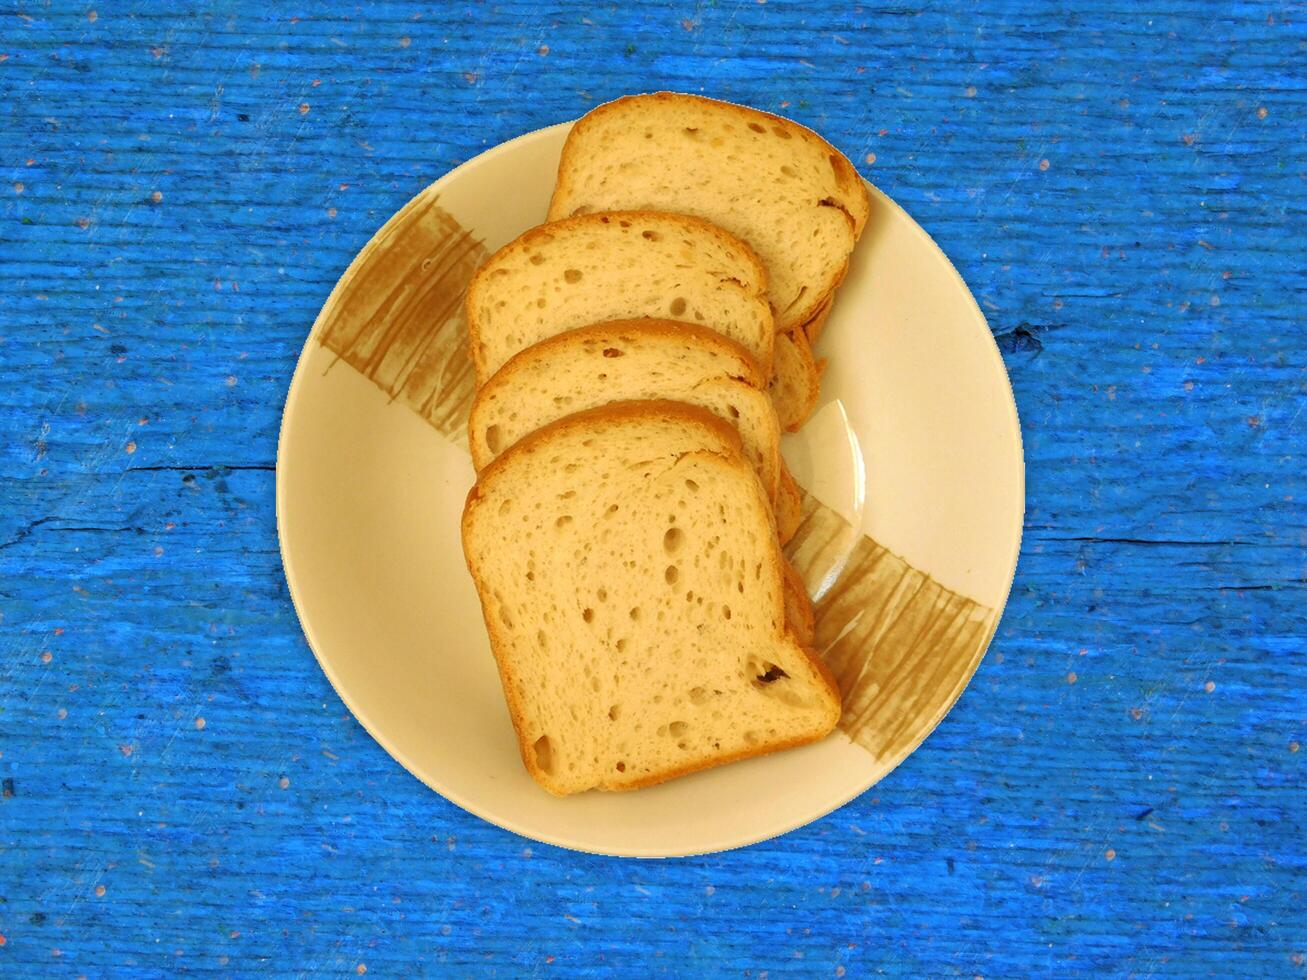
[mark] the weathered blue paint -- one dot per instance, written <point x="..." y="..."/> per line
<point x="1121" y="788"/>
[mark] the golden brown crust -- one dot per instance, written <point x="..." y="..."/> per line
<point x="789" y="505"/>
<point x="674" y="329"/>
<point x="713" y="763"/>
<point x="858" y="208"/>
<point x="798" y="605"/>
<point x="814" y="327"/>
<point x="542" y="232"/>
<point x="793" y="412"/>
<point x="613" y="410"/>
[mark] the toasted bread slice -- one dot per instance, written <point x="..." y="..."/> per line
<point x="768" y="181"/>
<point x="633" y="590"/>
<point x="585" y="270"/>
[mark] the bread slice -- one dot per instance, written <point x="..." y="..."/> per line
<point x="627" y="360"/>
<point x="767" y="180"/>
<point x="813" y="328"/>
<point x="631" y="583"/>
<point x="616" y="266"/>
<point x="796" y="380"/>
<point x="800" y="617"/>
<point x="789" y="504"/>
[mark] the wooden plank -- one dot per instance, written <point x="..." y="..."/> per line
<point x="1121" y="186"/>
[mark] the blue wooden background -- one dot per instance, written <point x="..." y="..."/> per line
<point x="1120" y="790"/>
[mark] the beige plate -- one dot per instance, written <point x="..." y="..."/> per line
<point x="369" y="498"/>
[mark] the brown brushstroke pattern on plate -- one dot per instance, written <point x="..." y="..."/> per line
<point x="397" y="314"/>
<point x="900" y="644"/>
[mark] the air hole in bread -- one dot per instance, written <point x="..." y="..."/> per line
<point x="788" y="171"/>
<point x="612" y="509"/>
<point x="691" y="485"/>
<point x="651" y="235"/>
<point x="757" y="128"/>
<point x="677" y="307"/>
<point x="726" y="612"/>
<point x="682" y="746"/>
<point x="698" y="695"/>
<point x="691" y="131"/>
<point x="672" y="573"/>
<point x="583" y="209"/>
<point x="563" y="521"/>
<point x="624" y="224"/>
<point x="673" y="540"/>
<point x="572" y="275"/>
<point x="613" y="713"/>
<point x="613" y="352"/>
<point x="567" y="495"/>
<point x="537" y="259"/>
<point x="621" y="645"/>
<point x="505" y="616"/>
<point x="544" y="754"/>
<point x="505" y="507"/>
<point x="635" y="613"/>
<point x="782" y="133"/>
<point x="735" y="412"/>
<point x="588" y="614"/>
<point x="689" y="596"/>
<point x="766" y="673"/>
<point x="603" y="595"/>
<point x="542" y="641"/>
<point x="594" y="684"/>
<point x="621" y="767"/>
<point x="751" y="738"/>
<point x="493" y="435"/>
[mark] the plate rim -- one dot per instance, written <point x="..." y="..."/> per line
<point x="509" y="823"/>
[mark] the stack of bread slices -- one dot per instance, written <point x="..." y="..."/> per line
<point x="637" y="358"/>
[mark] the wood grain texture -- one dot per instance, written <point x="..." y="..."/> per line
<point x="1120" y="790"/>
<point x="901" y="646"/>
<point x="397" y="314"/>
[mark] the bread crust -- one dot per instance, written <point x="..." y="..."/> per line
<point x="799" y="611"/>
<point x="814" y="327"/>
<point x="789" y="505"/>
<point x="728" y="437"/>
<point x="533" y="236"/>
<point x="847" y="178"/>
<point x="792" y="413"/>
<point x="672" y="329"/>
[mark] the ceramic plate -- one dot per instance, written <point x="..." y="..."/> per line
<point x="915" y="447"/>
